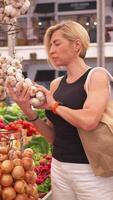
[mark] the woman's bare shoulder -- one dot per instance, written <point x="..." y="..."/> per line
<point x="55" y="83"/>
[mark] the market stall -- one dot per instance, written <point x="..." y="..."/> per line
<point x="25" y="156"/>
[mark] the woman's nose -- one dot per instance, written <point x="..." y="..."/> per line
<point x="52" y="49"/>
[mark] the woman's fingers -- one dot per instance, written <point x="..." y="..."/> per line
<point x="20" y="93"/>
<point x="42" y="88"/>
<point x="11" y="92"/>
<point x="19" y="86"/>
<point x="25" y="91"/>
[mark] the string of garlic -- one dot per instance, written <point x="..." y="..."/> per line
<point x="11" y="9"/>
<point x="11" y="73"/>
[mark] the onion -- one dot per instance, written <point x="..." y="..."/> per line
<point x="30" y="176"/>
<point x="6" y="180"/>
<point x="0" y="189"/>
<point x="3" y="157"/>
<point x="19" y="154"/>
<point x="18" y="172"/>
<point x="20" y="186"/>
<point x="31" y="198"/>
<point x="7" y="166"/>
<point x="3" y="150"/>
<point x="29" y="189"/>
<point x="17" y="162"/>
<point x="0" y="173"/>
<point x="34" y="191"/>
<point x="21" y="197"/>
<point x="14" y="154"/>
<point x="27" y="153"/>
<point x="8" y="193"/>
<point x="27" y="163"/>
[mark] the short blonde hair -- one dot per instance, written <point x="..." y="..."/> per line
<point x="71" y="30"/>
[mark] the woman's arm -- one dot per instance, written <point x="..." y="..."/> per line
<point x="22" y="98"/>
<point x="94" y="106"/>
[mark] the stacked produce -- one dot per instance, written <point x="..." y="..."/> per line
<point x="11" y="9"/>
<point x="11" y="73"/>
<point x="42" y="158"/>
<point x="42" y="170"/>
<point x="2" y="124"/>
<point x="27" y="126"/>
<point x="11" y="119"/>
<point x="17" y="176"/>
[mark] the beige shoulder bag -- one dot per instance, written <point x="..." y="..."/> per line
<point x="98" y="144"/>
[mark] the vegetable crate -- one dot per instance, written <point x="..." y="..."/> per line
<point x="48" y="196"/>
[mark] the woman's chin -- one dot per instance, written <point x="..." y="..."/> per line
<point x="57" y="64"/>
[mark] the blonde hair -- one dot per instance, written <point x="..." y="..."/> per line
<point x="71" y="30"/>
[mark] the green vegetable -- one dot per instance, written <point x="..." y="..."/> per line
<point x="39" y="144"/>
<point x="10" y="118"/>
<point x="3" y="110"/>
<point x="44" y="187"/>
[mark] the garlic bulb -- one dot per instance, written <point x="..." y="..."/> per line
<point x="40" y="95"/>
<point x="12" y="9"/>
<point x="11" y="80"/>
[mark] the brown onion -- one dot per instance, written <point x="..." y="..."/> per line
<point x="7" y="166"/>
<point x="6" y="180"/>
<point x="14" y="154"/>
<point x="27" y="163"/>
<point x="17" y="162"/>
<point x="3" y="157"/>
<point x="18" y="172"/>
<point x="32" y="198"/>
<point x="21" y="197"/>
<point x="34" y="192"/>
<point x="8" y="193"/>
<point x="27" y="153"/>
<point x="30" y="176"/>
<point x="20" y="186"/>
<point x="29" y="189"/>
<point x="3" y="150"/>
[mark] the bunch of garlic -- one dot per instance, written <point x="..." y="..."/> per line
<point x="37" y="97"/>
<point x="11" y="74"/>
<point x="13" y="9"/>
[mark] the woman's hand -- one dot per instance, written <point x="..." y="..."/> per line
<point x="49" y="97"/>
<point x="21" y="96"/>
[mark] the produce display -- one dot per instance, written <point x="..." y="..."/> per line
<point x="17" y="175"/>
<point x="24" y="164"/>
<point x="11" y="73"/>
<point x="42" y="158"/>
<point x="11" y="9"/>
<point x="13" y="120"/>
<point x="13" y="112"/>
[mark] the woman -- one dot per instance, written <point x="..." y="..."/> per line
<point x="68" y="107"/>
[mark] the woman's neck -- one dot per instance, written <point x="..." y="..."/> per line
<point x="76" y="70"/>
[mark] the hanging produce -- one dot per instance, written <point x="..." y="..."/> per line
<point x="11" y="73"/>
<point x="11" y="9"/>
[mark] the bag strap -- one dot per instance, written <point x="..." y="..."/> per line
<point x="90" y="74"/>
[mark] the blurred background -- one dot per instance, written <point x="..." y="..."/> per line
<point x="95" y="16"/>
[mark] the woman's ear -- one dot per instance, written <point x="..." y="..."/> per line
<point x="77" y="45"/>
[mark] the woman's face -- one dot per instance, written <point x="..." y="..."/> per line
<point x="62" y="51"/>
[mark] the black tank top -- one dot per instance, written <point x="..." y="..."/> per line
<point x="67" y="146"/>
